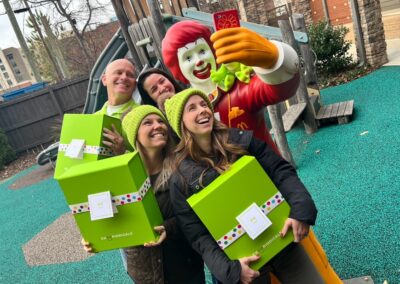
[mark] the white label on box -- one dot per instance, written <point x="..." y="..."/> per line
<point x="75" y="149"/>
<point x="254" y="221"/>
<point x="100" y="205"/>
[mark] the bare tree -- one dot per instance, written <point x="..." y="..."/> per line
<point x="34" y="22"/>
<point x="80" y="15"/>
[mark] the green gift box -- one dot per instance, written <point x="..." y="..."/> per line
<point x="233" y="195"/>
<point x="87" y="127"/>
<point x="137" y="209"/>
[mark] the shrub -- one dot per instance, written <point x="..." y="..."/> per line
<point x="330" y="47"/>
<point x="7" y="154"/>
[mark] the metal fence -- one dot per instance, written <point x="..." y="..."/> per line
<point x="35" y="119"/>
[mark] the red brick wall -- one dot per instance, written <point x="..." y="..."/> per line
<point x="339" y="11"/>
<point x="255" y="9"/>
<point x="97" y="40"/>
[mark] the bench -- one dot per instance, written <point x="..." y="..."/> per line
<point x="341" y="112"/>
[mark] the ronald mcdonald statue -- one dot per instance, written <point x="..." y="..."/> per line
<point x="253" y="73"/>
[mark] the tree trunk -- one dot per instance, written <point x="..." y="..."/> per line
<point x="33" y="66"/>
<point x="56" y="48"/>
<point x="193" y="3"/>
<point x="310" y="124"/>
<point x="124" y="23"/>
<point x="275" y="116"/>
<point x="60" y="76"/>
<point x="310" y="72"/>
<point x="157" y="17"/>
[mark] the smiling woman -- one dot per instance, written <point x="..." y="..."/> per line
<point x="146" y="130"/>
<point x="198" y="118"/>
<point x="152" y="133"/>
<point x="208" y="149"/>
<point x="155" y="86"/>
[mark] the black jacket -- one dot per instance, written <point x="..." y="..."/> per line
<point x="186" y="182"/>
<point x="174" y="261"/>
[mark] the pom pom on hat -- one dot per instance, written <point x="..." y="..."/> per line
<point x="132" y="121"/>
<point x="174" y="107"/>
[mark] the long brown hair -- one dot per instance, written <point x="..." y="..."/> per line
<point x="223" y="152"/>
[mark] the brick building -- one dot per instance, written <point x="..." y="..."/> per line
<point x="97" y="39"/>
<point x="14" y="70"/>
<point x="374" y="26"/>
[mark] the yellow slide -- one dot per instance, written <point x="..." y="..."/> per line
<point x="318" y="256"/>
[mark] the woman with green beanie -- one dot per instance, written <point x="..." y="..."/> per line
<point x="146" y="130"/>
<point x="206" y="150"/>
<point x="170" y="259"/>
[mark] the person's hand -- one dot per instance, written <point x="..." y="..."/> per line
<point x="114" y="140"/>
<point x="86" y="246"/>
<point x="163" y="236"/>
<point x="247" y="275"/>
<point x="300" y="229"/>
<point x="244" y="46"/>
<point x="162" y="98"/>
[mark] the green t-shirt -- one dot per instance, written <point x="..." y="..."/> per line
<point x="117" y="114"/>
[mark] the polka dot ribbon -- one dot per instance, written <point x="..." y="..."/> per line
<point x="96" y="150"/>
<point x="239" y="231"/>
<point x="116" y="200"/>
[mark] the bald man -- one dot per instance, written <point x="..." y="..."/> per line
<point x="120" y="80"/>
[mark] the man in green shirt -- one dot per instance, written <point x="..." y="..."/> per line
<point x="120" y="80"/>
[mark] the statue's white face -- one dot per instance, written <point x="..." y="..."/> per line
<point x="196" y="60"/>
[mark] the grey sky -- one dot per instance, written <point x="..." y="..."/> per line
<point x="7" y="35"/>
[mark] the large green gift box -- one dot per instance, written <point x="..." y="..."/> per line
<point x="228" y="196"/>
<point x="137" y="209"/>
<point x="88" y="127"/>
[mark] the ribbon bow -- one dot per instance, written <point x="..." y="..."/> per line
<point x="225" y="76"/>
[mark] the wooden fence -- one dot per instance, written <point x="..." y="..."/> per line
<point x="139" y="9"/>
<point x="35" y="119"/>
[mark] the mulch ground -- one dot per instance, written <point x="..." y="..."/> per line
<point x="23" y="162"/>
<point x="33" y="177"/>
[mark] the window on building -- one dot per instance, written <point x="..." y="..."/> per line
<point x="6" y="75"/>
<point x="10" y="56"/>
<point x="9" y="82"/>
<point x="17" y="71"/>
<point x="2" y="68"/>
<point x="13" y="64"/>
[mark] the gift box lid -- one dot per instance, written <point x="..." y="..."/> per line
<point x="228" y="196"/>
<point x="87" y="127"/>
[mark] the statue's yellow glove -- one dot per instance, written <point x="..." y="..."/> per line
<point x="244" y="46"/>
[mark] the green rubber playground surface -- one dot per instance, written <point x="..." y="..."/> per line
<point x="353" y="174"/>
<point x="351" y="170"/>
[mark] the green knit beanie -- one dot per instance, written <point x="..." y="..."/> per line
<point x="131" y="122"/>
<point x="174" y="107"/>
